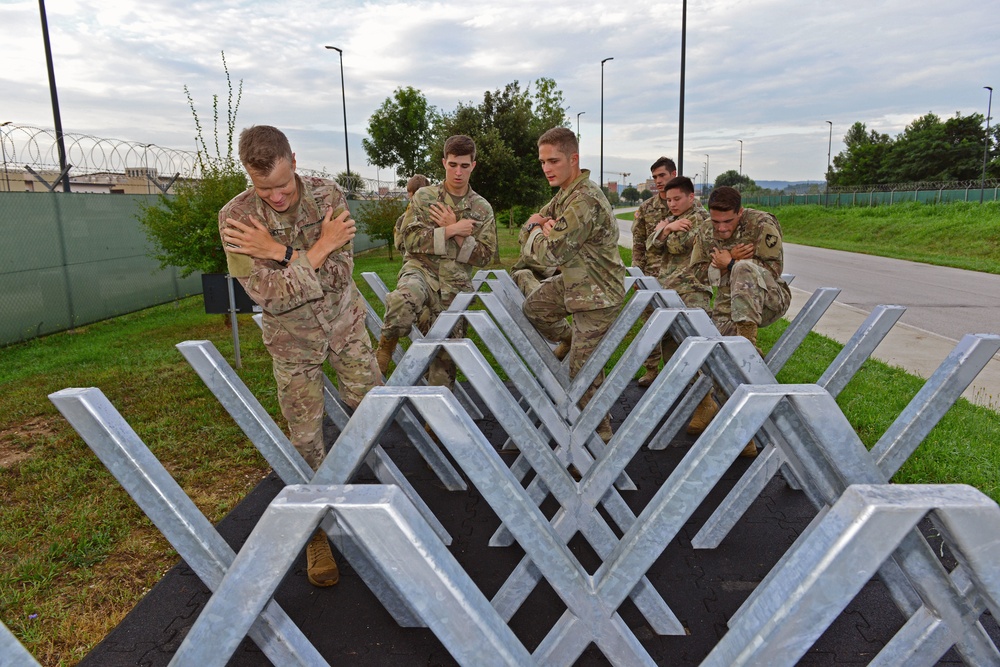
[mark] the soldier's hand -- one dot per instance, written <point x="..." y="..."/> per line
<point x="251" y="239"/>
<point x="547" y="226"/>
<point x="721" y="258"/>
<point x="536" y="220"/>
<point x="338" y="231"/>
<point x="660" y="226"/>
<point x="442" y="215"/>
<point x="460" y="228"/>
<point x="681" y="225"/>
<point x="742" y="251"/>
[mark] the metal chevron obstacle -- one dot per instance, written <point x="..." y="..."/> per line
<point x="399" y="548"/>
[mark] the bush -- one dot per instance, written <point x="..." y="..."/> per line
<point x="377" y="218"/>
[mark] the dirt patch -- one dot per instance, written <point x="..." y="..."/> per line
<point x="17" y="441"/>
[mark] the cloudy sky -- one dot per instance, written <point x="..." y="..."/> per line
<point x="767" y="72"/>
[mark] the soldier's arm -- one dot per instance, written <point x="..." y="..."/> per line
<point x="570" y="231"/>
<point x="420" y="234"/>
<point x="767" y="250"/>
<point x="274" y="288"/>
<point x="478" y="249"/>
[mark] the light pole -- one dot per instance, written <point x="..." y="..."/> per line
<point x="145" y="164"/>
<point x="829" y="149"/>
<point x="55" y="98"/>
<point x="680" y="113"/>
<point x="741" y="156"/>
<point x="705" y="180"/>
<point x="578" y="125"/>
<point x="343" y="96"/>
<point x="602" y="120"/>
<point x="986" y="148"/>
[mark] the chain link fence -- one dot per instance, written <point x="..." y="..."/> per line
<point x="887" y="194"/>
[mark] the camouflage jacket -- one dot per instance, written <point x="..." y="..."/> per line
<point x="757" y="227"/>
<point x="302" y="306"/>
<point x="447" y="267"/>
<point x="583" y="244"/>
<point x="647" y="216"/>
<point x="673" y="249"/>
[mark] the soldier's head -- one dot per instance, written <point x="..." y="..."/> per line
<point x="725" y="205"/>
<point x="415" y="183"/>
<point x="270" y="163"/>
<point x="662" y="171"/>
<point x="679" y="192"/>
<point x="559" y="153"/>
<point x="459" y="160"/>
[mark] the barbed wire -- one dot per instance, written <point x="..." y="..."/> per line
<point x="917" y="185"/>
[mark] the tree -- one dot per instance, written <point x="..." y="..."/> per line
<point x="645" y="194"/>
<point x="183" y="228"/>
<point x="377" y="218"/>
<point x="630" y="194"/>
<point x="734" y="179"/>
<point x="350" y="184"/>
<point x="505" y="126"/>
<point x="399" y="133"/>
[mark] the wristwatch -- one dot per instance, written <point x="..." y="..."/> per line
<point x="289" y="251"/>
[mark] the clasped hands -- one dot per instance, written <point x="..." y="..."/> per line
<point x="539" y="220"/>
<point x="721" y="257"/>
<point x="679" y="225"/>
<point x="444" y="216"/>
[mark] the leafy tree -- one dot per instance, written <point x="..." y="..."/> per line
<point x="183" y="228"/>
<point x="377" y="218"/>
<point x="734" y="179"/>
<point x="505" y="127"/>
<point x="645" y="194"/>
<point x="350" y="184"/>
<point x="630" y="194"/>
<point x="399" y="133"/>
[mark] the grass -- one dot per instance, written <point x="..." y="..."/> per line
<point x="961" y="235"/>
<point x="78" y="554"/>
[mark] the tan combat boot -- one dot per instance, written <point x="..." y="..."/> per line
<point x="563" y="348"/>
<point x="750" y="451"/>
<point x="703" y="415"/>
<point x="646" y="380"/>
<point x="383" y="355"/>
<point x="749" y="331"/>
<point x="321" y="568"/>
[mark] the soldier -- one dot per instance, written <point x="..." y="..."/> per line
<point x="415" y="183"/>
<point x="576" y="233"/>
<point x="649" y="214"/>
<point x="669" y="247"/>
<point x="528" y="278"/>
<point x="447" y="230"/>
<point x="741" y="255"/>
<point x="288" y="241"/>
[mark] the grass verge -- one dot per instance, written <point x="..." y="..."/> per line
<point x="78" y="554"/>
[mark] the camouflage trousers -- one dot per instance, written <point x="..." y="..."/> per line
<point x="414" y="303"/>
<point x="300" y="383"/>
<point x="692" y="298"/>
<point x="545" y="308"/>
<point x="753" y="296"/>
<point x="526" y="280"/>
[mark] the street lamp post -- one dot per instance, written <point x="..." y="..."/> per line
<point x="343" y="96"/>
<point x="55" y="98"/>
<point x="578" y="125"/>
<point x="705" y="180"/>
<point x="680" y="113"/>
<point x="3" y="149"/>
<point x="741" y="156"/>
<point x="829" y="150"/>
<point x="602" y="120"/>
<point x="986" y="148"/>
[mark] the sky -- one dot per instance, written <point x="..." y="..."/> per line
<point x="769" y="73"/>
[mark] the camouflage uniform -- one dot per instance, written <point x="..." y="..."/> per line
<point x="647" y="216"/>
<point x="672" y="252"/>
<point x="755" y="291"/>
<point x="528" y="278"/>
<point x="583" y="244"/>
<point x="436" y="269"/>
<point x="310" y="315"/>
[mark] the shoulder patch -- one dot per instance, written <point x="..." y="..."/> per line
<point x="770" y="240"/>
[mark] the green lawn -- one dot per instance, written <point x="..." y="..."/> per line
<point x="78" y="554"/>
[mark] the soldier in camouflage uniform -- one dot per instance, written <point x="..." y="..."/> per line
<point x="288" y="241"/>
<point x="669" y="246"/>
<point x="741" y="255"/>
<point x="528" y="275"/>
<point x="649" y="214"/>
<point x="447" y="230"/>
<point x="577" y="233"/>
<point x="415" y="183"/>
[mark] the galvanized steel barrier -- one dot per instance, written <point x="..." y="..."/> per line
<point x="399" y="548"/>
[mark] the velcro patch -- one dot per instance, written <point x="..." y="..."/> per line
<point x="770" y="240"/>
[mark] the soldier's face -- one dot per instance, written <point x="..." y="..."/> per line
<point x="559" y="169"/>
<point x="278" y="187"/>
<point x="457" y="169"/>
<point x="724" y="222"/>
<point x="679" y="201"/>
<point x="661" y="177"/>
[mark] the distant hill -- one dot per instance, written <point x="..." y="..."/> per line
<point x="791" y="186"/>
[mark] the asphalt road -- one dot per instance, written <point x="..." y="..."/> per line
<point x="948" y="302"/>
